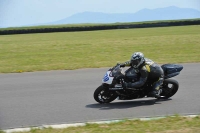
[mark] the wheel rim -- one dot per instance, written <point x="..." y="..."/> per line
<point x="168" y="89"/>
<point x="104" y="96"/>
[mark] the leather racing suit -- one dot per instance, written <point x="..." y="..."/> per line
<point x="148" y="71"/>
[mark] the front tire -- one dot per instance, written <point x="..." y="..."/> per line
<point x="103" y="95"/>
<point x="169" y="88"/>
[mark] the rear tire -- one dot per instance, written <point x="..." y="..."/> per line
<point x="103" y="95"/>
<point x="169" y="88"/>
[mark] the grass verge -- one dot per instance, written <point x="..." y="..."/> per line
<point x="93" y="49"/>
<point x="175" y="124"/>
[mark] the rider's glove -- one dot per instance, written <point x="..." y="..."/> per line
<point x="122" y="65"/>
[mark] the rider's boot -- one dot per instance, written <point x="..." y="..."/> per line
<point x="156" y="91"/>
<point x="154" y="94"/>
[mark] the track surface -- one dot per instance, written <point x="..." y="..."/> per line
<point x="57" y="97"/>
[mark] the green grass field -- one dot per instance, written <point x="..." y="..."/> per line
<point x="175" y="124"/>
<point x="93" y="49"/>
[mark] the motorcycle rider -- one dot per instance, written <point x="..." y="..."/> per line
<point x="147" y="70"/>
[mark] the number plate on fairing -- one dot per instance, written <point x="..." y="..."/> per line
<point x="107" y="79"/>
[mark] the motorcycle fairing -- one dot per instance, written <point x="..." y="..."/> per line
<point x="107" y="79"/>
<point x="171" y="70"/>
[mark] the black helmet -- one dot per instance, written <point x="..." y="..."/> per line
<point x="137" y="59"/>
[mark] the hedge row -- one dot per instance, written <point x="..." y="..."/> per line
<point x="102" y="27"/>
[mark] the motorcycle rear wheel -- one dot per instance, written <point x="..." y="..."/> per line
<point x="104" y="95"/>
<point x="169" y="88"/>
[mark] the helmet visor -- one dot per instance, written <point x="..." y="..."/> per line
<point x="135" y="62"/>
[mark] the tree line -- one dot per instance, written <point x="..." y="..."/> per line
<point x="101" y="27"/>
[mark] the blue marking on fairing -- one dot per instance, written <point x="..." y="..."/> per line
<point x="105" y="78"/>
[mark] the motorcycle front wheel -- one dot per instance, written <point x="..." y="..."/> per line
<point x="103" y="95"/>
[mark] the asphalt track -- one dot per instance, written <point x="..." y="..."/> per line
<point x="61" y="97"/>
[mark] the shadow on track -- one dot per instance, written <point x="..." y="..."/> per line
<point x="126" y="104"/>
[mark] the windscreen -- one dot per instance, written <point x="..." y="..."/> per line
<point x="116" y="71"/>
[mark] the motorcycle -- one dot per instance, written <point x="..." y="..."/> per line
<point x="112" y="84"/>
